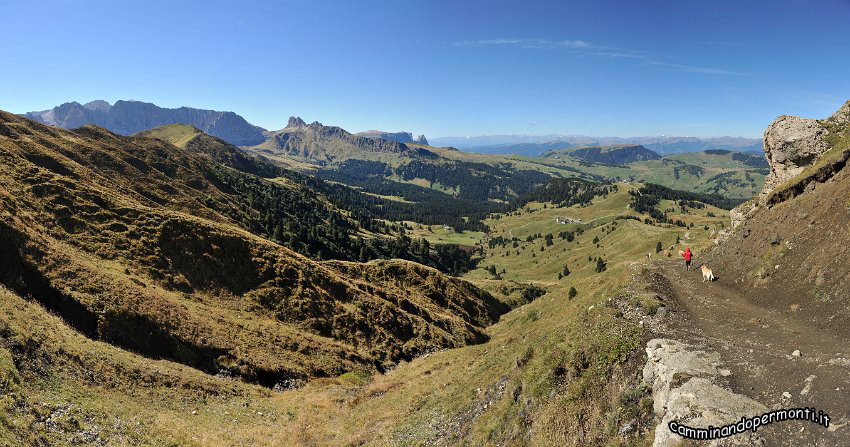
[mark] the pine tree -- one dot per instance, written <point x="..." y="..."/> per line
<point x="573" y="292"/>
<point x="658" y="247"/>
<point x="600" y="265"/>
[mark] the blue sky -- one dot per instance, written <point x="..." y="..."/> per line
<point x="442" y="68"/>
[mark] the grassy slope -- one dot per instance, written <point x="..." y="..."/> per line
<point x="176" y="134"/>
<point x="179" y="279"/>
<point x="555" y="371"/>
<point x="547" y="363"/>
<point x="437" y="234"/>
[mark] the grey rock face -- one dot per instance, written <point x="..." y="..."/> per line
<point x="790" y="144"/>
<point x="843" y="114"/>
<point x="689" y="387"/>
<point x="98" y="105"/>
<point x="398" y="137"/>
<point x="741" y="213"/>
<point x="295" y="121"/>
<point x="422" y="140"/>
<point x="129" y="117"/>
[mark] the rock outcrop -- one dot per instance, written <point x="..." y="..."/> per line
<point x="398" y="137"/>
<point x="295" y="122"/>
<point x="421" y="140"/>
<point x="129" y="117"/>
<point x="792" y="143"/>
<point x="689" y="386"/>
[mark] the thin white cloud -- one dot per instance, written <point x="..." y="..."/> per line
<point x="722" y="43"/>
<point x="585" y="48"/>
<point x="526" y="43"/>
<point x="693" y="69"/>
<point x="617" y="55"/>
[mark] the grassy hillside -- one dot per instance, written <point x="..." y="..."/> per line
<point x="176" y="134"/>
<point x="618" y="154"/>
<point x="144" y="245"/>
<point x="732" y="174"/>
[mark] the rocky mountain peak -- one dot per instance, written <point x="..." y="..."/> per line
<point x="296" y="121"/>
<point x="422" y="140"/>
<point x="98" y="104"/>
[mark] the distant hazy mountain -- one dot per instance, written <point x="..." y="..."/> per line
<point x="129" y="117"/>
<point x="527" y="149"/>
<point x="401" y="137"/>
<point x="533" y="145"/>
<point x="493" y="140"/>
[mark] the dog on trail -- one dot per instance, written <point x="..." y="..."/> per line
<point x="707" y="274"/>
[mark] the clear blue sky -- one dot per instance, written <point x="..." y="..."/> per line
<point x="443" y="68"/>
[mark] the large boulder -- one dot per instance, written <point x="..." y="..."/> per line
<point x="792" y="143"/>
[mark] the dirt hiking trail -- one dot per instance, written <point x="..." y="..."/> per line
<point x="759" y="346"/>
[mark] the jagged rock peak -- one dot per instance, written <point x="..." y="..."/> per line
<point x="296" y="121"/>
<point x="422" y="140"/>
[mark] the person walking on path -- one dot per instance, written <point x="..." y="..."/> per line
<point x="687" y="255"/>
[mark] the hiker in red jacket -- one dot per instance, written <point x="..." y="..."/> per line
<point x="687" y="256"/>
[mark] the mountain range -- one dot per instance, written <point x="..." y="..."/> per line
<point x="534" y="145"/>
<point x="129" y="117"/>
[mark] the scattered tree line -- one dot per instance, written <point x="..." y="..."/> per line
<point x="566" y="192"/>
<point x="653" y="192"/>
<point x="323" y="220"/>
